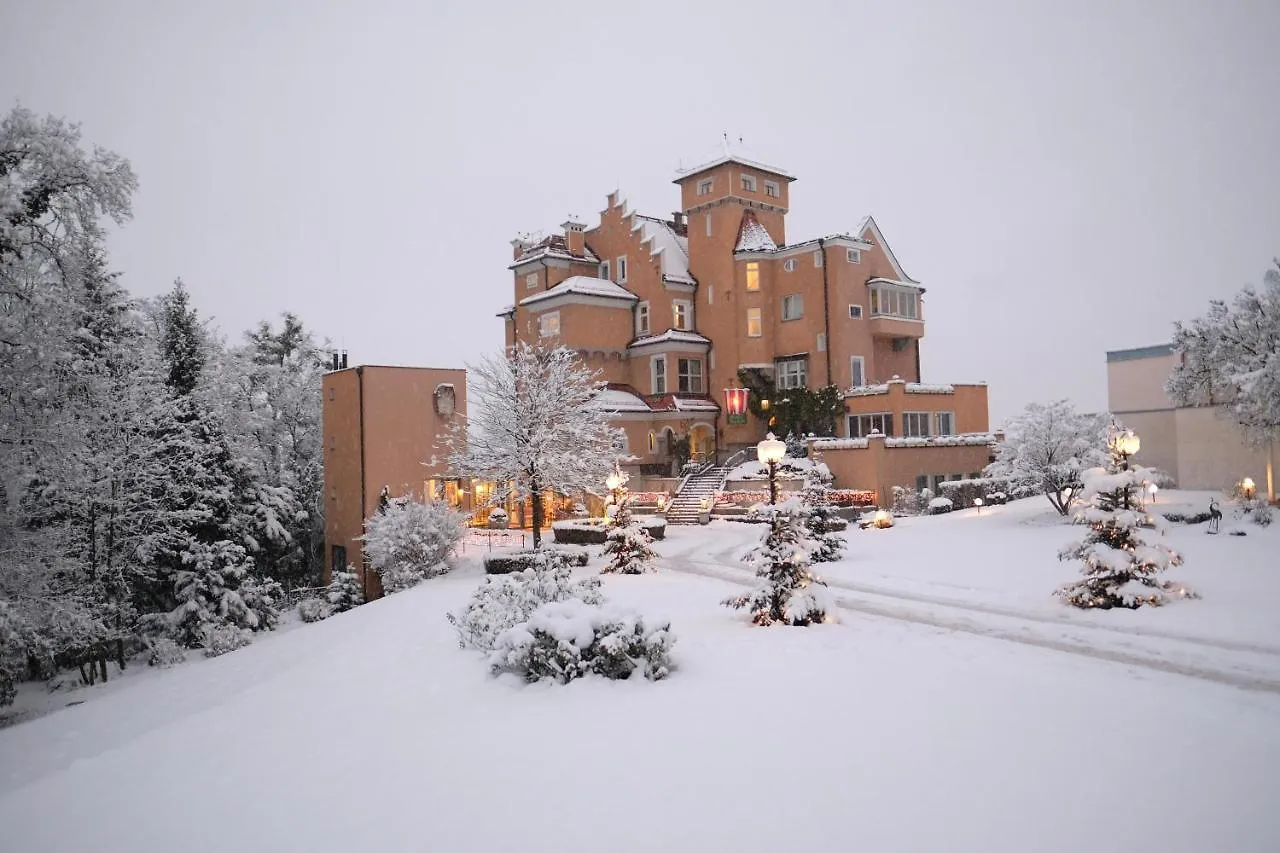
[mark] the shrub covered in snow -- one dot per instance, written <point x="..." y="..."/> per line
<point x="215" y="589"/>
<point x="788" y="593"/>
<point x="313" y="609"/>
<point x="226" y="638"/>
<point x="344" y="592"/>
<point x="579" y="533"/>
<point x="165" y="653"/>
<point x="502" y="602"/>
<point x="408" y="541"/>
<point x="629" y="547"/>
<point x="505" y="562"/>
<point x="1256" y="510"/>
<point x="1119" y="568"/>
<point x="937" y="506"/>
<point x="13" y="646"/>
<point x="566" y="640"/>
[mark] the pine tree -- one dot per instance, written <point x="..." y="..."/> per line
<point x="344" y="592"/>
<point x="788" y="593"/>
<point x="1120" y="568"/>
<point x="215" y="590"/>
<point x="183" y="342"/>
<point x="629" y="547"/>
<point x="822" y="524"/>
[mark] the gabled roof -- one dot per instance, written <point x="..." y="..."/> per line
<point x="869" y="224"/>
<point x="624" y="399"/>
<point x="581" y="285"/>
<point x="671" y="249"/>
<point x="752" y="236"/>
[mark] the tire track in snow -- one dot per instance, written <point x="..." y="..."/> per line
<point x="1243" y="679"/>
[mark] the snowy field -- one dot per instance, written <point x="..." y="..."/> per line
<point x="957" y="706"/>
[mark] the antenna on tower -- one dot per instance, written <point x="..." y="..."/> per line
<point x="726" y="141"/>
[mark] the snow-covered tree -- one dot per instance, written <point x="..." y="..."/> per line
<point x="344" y="592"/>
<point x="535" y="425"/>
<point x="628" y="550"/>
<point x="215" y="590"/>
<point x="1119" y="566"/>
<point x="788" y="592"/>
<point x="1048" y="447"/>
<point x="823" y="525"/>
<point x="1231" y="356"/>
<point x="503" y="601"/>
<point x="410" y="541"/>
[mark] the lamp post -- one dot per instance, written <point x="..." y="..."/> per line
<point x="1248" y="488"/>
<point x="1124" y="444"/>
<point x="978" y="503"/>
<point x="770" y="452"/>
<point x="1152" y="488"/>
<point x="614" y="483"/>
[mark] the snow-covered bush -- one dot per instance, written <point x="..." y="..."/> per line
<point x="937" y="506"/>
<point x="215" y="589"/>
<point x="907" y="501"/>
<point x="1046" y="448"/>
<point x="1256" y="510"/>
<point x="1119" y="567"/>
<point x="13" y="631"/>
<point x="566" y="640"/>
<point x="409" y="541"/>
<point x="498" y="519"/>
<point x="165" y="653"/>
<point x="579" y="533"/>
<point x="344" y="592"/>
<point x="964" y="492"/>
<point x="313" y="609"/>
<point x="505" y="562"/>
<point x="507" y="600"/>
<point x="226" y="638"/>
<point x="995" y="498"/>
<point x="788" y="593"/>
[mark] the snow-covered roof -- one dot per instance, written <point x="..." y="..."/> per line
<point x="672" y="335"/>
<point x="583" y="286"/>
<point x="618" y="400"/>
<point x="507" y="311"/>
<point x="623" y="399"/>
<point x="908" y="387"/>
<point x="752" y="236"/>
<point x="970" y="439"/>
<point x="731" y="152"/>
<point x="670" y="248"/>
<point x="914" y="285"/>
<point x="694" y="404"/>
<point x="534" y="249"/>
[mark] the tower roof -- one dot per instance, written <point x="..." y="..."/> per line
<point x="730" y="152"/>
<point x="752" y="236"/>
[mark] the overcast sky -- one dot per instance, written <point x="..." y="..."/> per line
<point x="1064" y="178"/>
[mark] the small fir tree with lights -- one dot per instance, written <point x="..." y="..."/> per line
<point x="1120" y="568"/>
<point x="788" y="593"/>
<point x="821" y="522"/>
<point x="629" y="547"/>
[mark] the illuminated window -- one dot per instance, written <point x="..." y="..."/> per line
<point x="653" y="440"/>
<point x="753" y="275"/>
<point x="755" y="328"/>
<point x="682" y="314"/>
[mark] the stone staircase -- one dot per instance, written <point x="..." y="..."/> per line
<point x="684" y="507"/>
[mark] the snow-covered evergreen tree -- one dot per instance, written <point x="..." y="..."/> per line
<point x="215" y="590"/>
<point x="788" y="593"/>
<point x="1047" y="447"/>
<point x="1120" y="567"/>
<point x="344" y="591"/>
<point x="823" y="525"/>
<point x="1231" y="356"/>
<point x="628" y="550"/>
<point x="535" y="425"/>
<point x="410" y="541"/>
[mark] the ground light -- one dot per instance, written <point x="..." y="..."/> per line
<point x="978" y="503"/>
<point x="1152" y="488"/>
<point x="770" y="452"/>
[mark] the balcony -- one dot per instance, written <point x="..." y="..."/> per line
<point x="895" y="310"/>
<point x="889" y="326"/>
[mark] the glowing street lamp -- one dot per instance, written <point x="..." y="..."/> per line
<point x="1124" y="444"/>
<point x="614" y="483"/>
<point x="770" y="452"/>
<point x="1247" y="488"/>
<point x="1152" y="488"/>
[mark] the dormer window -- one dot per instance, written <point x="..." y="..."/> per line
<point x="748" y="183"/>
<point x="705" y="186"/>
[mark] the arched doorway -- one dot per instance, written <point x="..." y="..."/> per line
<point x="702" y="443"/>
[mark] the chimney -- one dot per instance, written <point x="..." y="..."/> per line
<point x="574" y="239"/>
<point x="344" y="359"/>
<point x="678" y="223"/>
<point x="517" y="249"/>
<point x="333" y="360"/>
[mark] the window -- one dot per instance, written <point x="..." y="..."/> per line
<point x="690" y="375"/>
<point x="895" y="302"/>
<point x="944" y="423"/>
<point x="748" y="183"/>
<point x="854" y="256"/>
<point x="915" y="424"/>
<point x="792" y="373"/>
<point x="753" y="275"/>
<point x="771" y="189"/>
<point x="822" y="342"/>
<point x="792" y="307"/>
<point x="659" y="368"/>
<point x="531" y="281"/>
<point x="858" y="371"/>
<point x="642" y="318"/>
<point x="549" y="325"/>
<point x="861" y="426"/>
<point x="754" y="326"/>
<point x="789" y="265"/>
<point x="704" y="187"/>
<point x="339" y="560"/>
<point x="604" y="269"/>
<point x="622" y="269"/>
<point x="817" y="258"/>
<point x="681" y="314"/>
<point x="855" y="312"/>
<point x="708" y="224"/>
<point x="922" y="482"/>
<point x="653" y="440"/>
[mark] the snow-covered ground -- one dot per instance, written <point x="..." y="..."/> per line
<point x="957" y="706"/>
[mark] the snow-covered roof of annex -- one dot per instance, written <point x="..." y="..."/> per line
<point x="671" y="249"/>
<point x="731" y="152"/>
<point x="551" y="248"/>
<point x="624" y="400"/>
<point x="581" y="285"/>
<point x="907" y="387"/>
